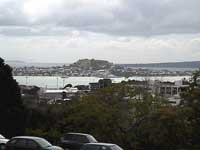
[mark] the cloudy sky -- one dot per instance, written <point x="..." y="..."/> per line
<point x="121" y="31"/>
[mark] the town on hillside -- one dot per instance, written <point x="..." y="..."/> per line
<point x="97" y="68"/>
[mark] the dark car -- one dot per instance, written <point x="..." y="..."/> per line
<point x="30" y="143"/>
<point x="100" y="146"/>
<point x="74" y="141"/>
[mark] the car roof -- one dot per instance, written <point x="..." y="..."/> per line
<point x="78" y="134"/>
<point x="101" y="144"/>
<point x="27" y="137"/>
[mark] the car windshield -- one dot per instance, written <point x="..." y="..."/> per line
<point x="2" y="137"/>
<point x="92" y="139"/>
<point x="115" y="147"/>
<point x="43" y="142"/>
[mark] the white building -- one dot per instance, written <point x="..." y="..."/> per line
<point x="170" y="90"/>
<point x="58" y="94"/>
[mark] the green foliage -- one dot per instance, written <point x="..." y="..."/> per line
<point x="191" y="100"/>
<point x="191" y="97"/>
<point x="164" y="129"/>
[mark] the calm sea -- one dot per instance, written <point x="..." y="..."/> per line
<point x="58" y="82"/>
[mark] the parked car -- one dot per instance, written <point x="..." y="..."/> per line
<point x="74" y="141"/>
<point x="3" y="141"/>
<point x="29" y="143"/>
<point x="100" y="146"/>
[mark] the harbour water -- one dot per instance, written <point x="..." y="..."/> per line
<point x="58" y="82"/>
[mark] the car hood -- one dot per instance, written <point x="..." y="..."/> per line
<point x="4" y="141"/>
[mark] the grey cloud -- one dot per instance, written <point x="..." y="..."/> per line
<point x="34" y="30"/>
<point x="155" y="17"/>
<point x="11" y="14"/>
<point x="127" y="18"/>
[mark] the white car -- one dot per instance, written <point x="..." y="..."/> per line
<point x="3" y="141"/>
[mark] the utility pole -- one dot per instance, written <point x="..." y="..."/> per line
<point x="26" y="80"/>
<point x="63" y="82"/>
<point x="57" y="81"/>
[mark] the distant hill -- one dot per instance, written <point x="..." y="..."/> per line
<point x="17" y="63"/>
<point x="189" y="64"/>
<point x="103" y="64"/>
<point x="92" y="64"/>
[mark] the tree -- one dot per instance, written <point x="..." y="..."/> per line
<point x="11" y="107"/>
<point x="191" y="101"/>
<point x="165" y="129"/>
<point x="191" y="96"/>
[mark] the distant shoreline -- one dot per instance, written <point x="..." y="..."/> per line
<point x="186" y="64"/>
<point x="189" y="64"/>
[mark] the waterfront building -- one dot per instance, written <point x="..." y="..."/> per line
<point x="102" y="83"/>
<point x="171" y="90"/>
<point x="94" y="86"/>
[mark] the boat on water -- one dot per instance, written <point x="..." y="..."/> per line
<point x="64" y="76"/>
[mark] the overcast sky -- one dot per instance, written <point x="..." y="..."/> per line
<point x="121" y="31"/>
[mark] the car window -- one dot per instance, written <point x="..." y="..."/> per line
<point x="12" y="141"/>
<point x="68" y="137"/>
<point x="31" y="144"/>
<point x="20" y="143"/>
<point x="81" y="139"/>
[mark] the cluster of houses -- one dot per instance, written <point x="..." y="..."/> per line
<point x="169" y="90"/>
<point x="61" y="71"/>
